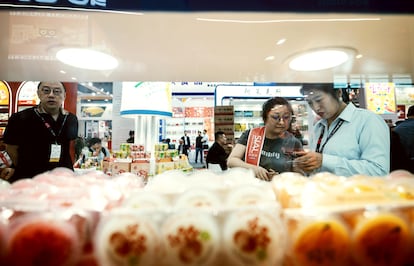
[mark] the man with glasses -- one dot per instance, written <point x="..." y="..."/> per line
<point x="270" y="149"/>
<point x="38" y="139"/>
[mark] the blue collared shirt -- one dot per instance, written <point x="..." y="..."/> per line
<point x="360" y="146"/>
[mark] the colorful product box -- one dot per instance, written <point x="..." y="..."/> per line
<point x="120" y="167"/>
<point x="141" y="169"/>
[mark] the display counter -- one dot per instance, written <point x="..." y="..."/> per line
<point x="206" y="218"/>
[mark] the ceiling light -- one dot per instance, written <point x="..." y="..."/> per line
<point x="287" y="20"/>
<point x="86" y="59"/>
<point x="319" y="59"/>
<point x="281" y="41"/>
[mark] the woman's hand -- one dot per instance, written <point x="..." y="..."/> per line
<point x="308" y="161"/>
<point x="263" y="174"/>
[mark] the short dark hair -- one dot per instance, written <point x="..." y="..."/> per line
<point x="40" y="83"/>
<point x="218" y="134"/>
<point x="327" y="88"/>
<point x="269" y="104"/>
<point x="94" y="141"/>
<point x="410" y="111"/>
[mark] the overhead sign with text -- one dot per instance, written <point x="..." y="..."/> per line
<point x="367" y="6"/>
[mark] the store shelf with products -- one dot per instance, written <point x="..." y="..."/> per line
<point x="175" y="127"/>
<point x="247" y="115"/>
<point x="191" y="115"/>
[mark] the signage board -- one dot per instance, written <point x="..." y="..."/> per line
<point x="251" y="92"/>
<point x="339" y="6"/>
<point x="380" y="97"/>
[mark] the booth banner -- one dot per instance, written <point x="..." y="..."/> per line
<point x="27" y="94"/>
<point x="405" y="95"/>
<point x="4" y="94"/>
<point x="380" y="97"/>
<point x="146" y="98"/>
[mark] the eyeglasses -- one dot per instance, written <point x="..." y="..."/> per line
<point x="279" y="117"/>
<point x="56" y="91"/>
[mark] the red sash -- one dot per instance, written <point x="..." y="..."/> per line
<point x="254" y="145"/>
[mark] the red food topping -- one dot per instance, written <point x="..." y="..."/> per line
<point x="253" y="238"/>
<point x="188" y="243"/>
<point x="129" y="243"/>
<point x="41" y="244"/>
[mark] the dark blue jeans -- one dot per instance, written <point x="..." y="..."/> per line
<point x="199" y="151"/>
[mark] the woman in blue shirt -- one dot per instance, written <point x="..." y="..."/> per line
<point x="346" y="140"/>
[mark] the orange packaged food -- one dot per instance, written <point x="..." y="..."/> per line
<point x="321" y="242"/>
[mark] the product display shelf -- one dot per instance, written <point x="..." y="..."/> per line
<point x="175" y="128"/>
<point x="4" y="117"/>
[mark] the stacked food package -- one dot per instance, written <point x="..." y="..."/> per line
<point x="135" y="159"/>
<point x="205" y="218"/>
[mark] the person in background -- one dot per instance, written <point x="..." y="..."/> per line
<point x="199" y="147"/>
<point x="405" y="131"/>
<point x="347" y="140"/>
<point x="40" y="138"/>
<point x="79" y="145"/>
<point x="97" y="150"/>
<point x="182" y="149"/>
<point x="217" y="153"/>
<point x="167" y="141"/>
<point x="131" y="138"/>
<point x="268" y="150"/>
<point x="186" y="140"/>
<point x="398" y="158"/>
<point x="204" y="141"/>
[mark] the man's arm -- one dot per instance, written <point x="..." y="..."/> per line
<point x="12" y="151"/>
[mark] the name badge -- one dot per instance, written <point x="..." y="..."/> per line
<point x="55" y="153"/>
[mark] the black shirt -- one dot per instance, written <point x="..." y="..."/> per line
<point x="217" y="155"/>
<point x="27" y="130"/>
<point x="272" y="155"/>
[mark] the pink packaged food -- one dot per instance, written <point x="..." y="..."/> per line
<point x="41" y="239"/>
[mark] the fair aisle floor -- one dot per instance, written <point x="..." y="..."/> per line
<point x="191" y="159"/>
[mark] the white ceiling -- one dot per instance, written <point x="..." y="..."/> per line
<point x="168" y="46"/>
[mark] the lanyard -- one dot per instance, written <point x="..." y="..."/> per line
<point x="5" y="159"/>
<point x="318" y="144"/>
<point x="47" y="125"/>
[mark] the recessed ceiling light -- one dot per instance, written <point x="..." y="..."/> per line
<point x="87" y="59"/>
<point x="281" y="41"/>
<point x="359" y="56"/>
<point x="270" y="58"/>
<point x="320" y="59"/>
